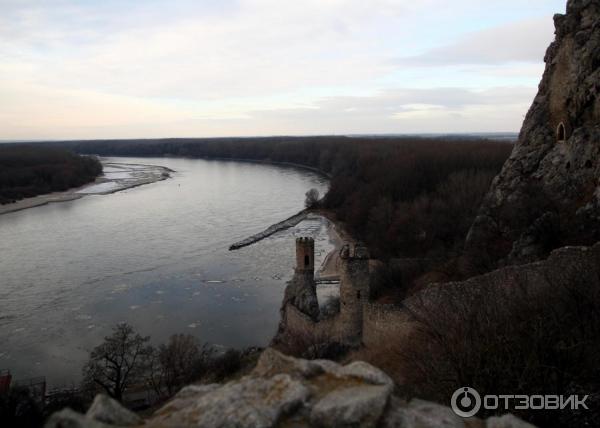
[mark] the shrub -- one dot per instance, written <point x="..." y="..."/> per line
<point x="506" y="341"/>
<point x="225" y="365"/>
<point x="19" y="409"/>
<point x="330" y="308"/>
<point x="312" y="198"/>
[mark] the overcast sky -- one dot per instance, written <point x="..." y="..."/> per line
<point x="194" y="68"/>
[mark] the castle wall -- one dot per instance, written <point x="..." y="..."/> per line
<point x="299" y="324"/>
<point x="358" y="320"/>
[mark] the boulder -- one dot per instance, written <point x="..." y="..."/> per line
<point x="68" y="418"/>
<point x="424" y="414"/>
<point x="350" y="407"/>
<point x="284" y="391"/>
<point x="506" y="421"/>
<point x="107" y="410"/>
<point x="249" y="402"/>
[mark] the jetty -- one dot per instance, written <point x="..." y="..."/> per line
<point x="282" y="225"/>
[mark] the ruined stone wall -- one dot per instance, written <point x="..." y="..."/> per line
<point x="378" y="323"/>
<point x="358" y="320"/>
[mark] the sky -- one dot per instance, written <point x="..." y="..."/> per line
<point x="202" y="68"/>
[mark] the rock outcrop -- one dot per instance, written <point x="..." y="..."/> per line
<point x="548" y="193"/>
<point x="287" y="392"/>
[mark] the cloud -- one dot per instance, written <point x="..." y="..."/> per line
<point x="120" y="68"/>
<point x="524" y="41"/>
<point x="412" y="110"/>
<point x="80" y="115"/>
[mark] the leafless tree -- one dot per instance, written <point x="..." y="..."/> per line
<point x="118" y="362"/>
<point x="182" y="360"/>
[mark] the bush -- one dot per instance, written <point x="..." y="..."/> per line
<point x="330" y="308"/>
<point x="19" y="409"/>
<point x="312" y="198"/>
<point x="507" y="341"/>
<point x="225" y="365"/>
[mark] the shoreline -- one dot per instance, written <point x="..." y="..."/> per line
<point x="269" y="162"/>
<point x="76" y="192"/>
<point x="72" y="194"/>
<point x="329" y="269"/>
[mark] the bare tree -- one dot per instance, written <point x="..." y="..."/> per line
<point x="312" y="198"/>
<point x="118" y="362"/>
<point x="182" y="360"/>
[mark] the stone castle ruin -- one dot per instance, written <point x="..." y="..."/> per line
<point x="300" y="314"/>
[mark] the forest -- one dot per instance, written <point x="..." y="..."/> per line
<point x="27" y="171"/>
<point x="405" y="197"/>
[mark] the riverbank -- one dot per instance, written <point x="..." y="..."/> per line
<point x="330" y="268"/>
<point x="269" y="162"/>
<point x="116" y="177"/>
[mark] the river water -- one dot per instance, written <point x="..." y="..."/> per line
<point x="154" y="256"/>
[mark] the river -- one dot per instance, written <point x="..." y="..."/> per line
<point x="155" y="256"/>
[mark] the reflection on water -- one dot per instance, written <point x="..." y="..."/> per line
<point x="155" y="256"/>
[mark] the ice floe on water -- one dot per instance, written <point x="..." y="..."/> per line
<point x="100" y="188"/>
<point x="118" y="176"/>
<point x="119" y="288"/>
<point x="83" y="317"/>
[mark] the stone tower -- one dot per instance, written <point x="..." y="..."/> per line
<point x="548" y="193"/>
<point x="301" y="291"/>
<point x="354" y="290"/>
<point x="305" y="256"/>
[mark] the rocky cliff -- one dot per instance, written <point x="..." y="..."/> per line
<point x="287" y="392"/>
<point x="547" y="194"/>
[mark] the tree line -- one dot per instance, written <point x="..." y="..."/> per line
<point x="27" y="171"/>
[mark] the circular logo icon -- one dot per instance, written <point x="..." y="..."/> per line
<point x="466" y="402"/>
